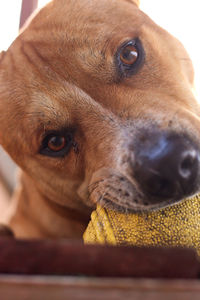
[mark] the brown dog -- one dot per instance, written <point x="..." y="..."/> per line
<point x="96" y="106"/>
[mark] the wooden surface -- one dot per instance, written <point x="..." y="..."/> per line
<point x="73" y="288"/>
<point x="39" y="270"/>
<point x="47" y="257"/>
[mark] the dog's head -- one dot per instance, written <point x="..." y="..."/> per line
<point x="97" y="105"/>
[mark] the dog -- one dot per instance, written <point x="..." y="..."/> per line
<point x="97" y="106"/>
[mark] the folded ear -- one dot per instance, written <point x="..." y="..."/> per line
<point x="137" y="2"/>
<point x="1" y="55"/>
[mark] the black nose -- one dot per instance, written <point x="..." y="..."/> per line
<point x="166" y="166"/>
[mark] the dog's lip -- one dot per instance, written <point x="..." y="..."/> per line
<point x="142" y="208"/>
<point x="110" y="191"/>
<point x="165" y="204"/>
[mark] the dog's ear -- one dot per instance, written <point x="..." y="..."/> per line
<point x="1" y="55"/>
<point x="137" y="2"/>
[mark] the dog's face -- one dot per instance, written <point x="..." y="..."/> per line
<point x="97" y="105"/>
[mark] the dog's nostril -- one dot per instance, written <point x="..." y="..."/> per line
<point x="188" y="163"/>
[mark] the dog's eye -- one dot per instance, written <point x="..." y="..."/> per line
<point x="56" y="145"/>
<point x="129" y="55"/>
<point x="129" y="58"/>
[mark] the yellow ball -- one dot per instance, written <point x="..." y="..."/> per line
<point x="177" y="225"/>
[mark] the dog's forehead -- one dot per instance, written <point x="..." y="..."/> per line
<point x="66" y="38"/>
<point x="76" y="25"/>
<point x="89" y="15"/>
<point x="85" y="34"/>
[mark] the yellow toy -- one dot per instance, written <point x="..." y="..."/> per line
<point x="177" y="225"/>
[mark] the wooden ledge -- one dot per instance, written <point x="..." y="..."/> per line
<point x="49" y="257"/>
<point x="76" y="288"/>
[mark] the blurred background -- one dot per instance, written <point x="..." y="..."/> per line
<point x="179" y="17"/>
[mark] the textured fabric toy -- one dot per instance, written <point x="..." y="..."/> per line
<point x="177" y="225"/>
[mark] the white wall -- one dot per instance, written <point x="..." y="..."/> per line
<point x="9" y="21"/>
<point x="182" y="19"/>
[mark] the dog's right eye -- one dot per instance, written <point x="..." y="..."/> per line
<point x="56" y="144"/>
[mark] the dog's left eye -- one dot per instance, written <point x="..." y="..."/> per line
<point x="129" y="57"/>
<point x="56" y="144"/>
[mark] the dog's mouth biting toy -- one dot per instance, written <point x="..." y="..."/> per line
<point x="177" y="225"/>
